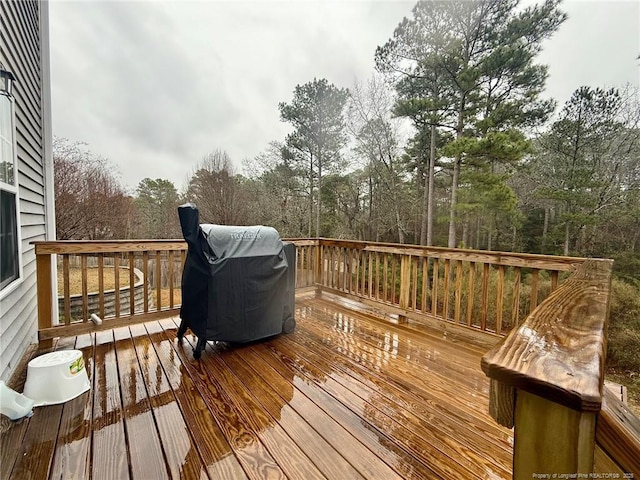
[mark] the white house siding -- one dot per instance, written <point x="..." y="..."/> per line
<point x="24" y="51"/>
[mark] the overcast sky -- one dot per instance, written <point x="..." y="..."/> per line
<point x="154" y="86"/>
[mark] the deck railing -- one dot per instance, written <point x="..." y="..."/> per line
<point x="547" y="374"/>
<point x="121" y="282"/>
<point x="488" y="291"/>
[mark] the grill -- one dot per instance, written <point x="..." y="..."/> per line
<point x="238" y="282"/>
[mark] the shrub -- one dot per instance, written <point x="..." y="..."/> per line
<point x="623" y="348"/>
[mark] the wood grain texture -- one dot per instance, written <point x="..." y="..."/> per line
<point x="45" y="293"/>
<point x="110" y="458"/>
<point x="299" y="450"/>
<point x="273" y="391"/>
<point x="603" y="463"/>
<point x="502" y="403"/>
<point x="252" y="454"/>
<point x="180" y="451"/>
<point x="551" y="438"/>
<point x="145" y="449"/>
<point x="618" y="433"/>
<point x="72" y="457"/>
<point x="106" y="246"/>
<point x="34" y="455"/>
<point x="108" y="324"/>
<point x="210" y="442"/>
<point x="347" y="395"/>
<point x="558" y="351"/>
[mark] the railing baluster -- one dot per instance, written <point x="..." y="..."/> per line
<point x="499" y="299"/>
<point x="66" y="288"/>
<point x="393" y="278"/>
<point x="434" y="287"/>
<point x="414" y="283"/>
<point x="132" y="281"/>
<point x="458" y="295"/>
<point x="471" y="287"/>
<point x="385" y="278"/>
<point x="515" y="308"/>
<point x="425" y="282"/>
<point x="447" y="273"/>
<point x="171" y="273"/>
<point x="377" y="280"/>
<point x="116" y="281"/>
<point x="485" y="294"/>
<point x="533" y="300"/>
<point x="356" y="290"/>
<point x="158" y="281"/>
<point x="145" y="276"/>
<point x="85" y="293"/>
<point x="370" y="289"/>
<point x="101" y="284"/>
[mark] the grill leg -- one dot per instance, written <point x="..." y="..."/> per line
<point x="182" y="329"/>
<point x="197" y="352"/>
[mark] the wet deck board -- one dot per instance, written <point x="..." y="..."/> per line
<point x="345" y="396"/>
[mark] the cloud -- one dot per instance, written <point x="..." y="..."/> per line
<point x="154" y="86"/>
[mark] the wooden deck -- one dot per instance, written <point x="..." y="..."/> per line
<point x="346" y="396"/>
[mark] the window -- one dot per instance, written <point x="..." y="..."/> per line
<point x="9" y="241"/>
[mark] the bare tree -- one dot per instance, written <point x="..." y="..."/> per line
<point x="90" y="202"/>
<point x="217" y="190"/>
<point x="377" y="140"/>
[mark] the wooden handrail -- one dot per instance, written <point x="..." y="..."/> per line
<point x="527" y="260"/>
<point x="547" y="375"/>
<point x="107" y="246"/>
<point x="558" y="352"/>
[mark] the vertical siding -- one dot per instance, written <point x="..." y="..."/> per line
<point x="20" y="52"/>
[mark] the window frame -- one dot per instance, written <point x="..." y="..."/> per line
<point x="14" y="190"/>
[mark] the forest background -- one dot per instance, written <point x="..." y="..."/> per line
<point x="450" y="142"/>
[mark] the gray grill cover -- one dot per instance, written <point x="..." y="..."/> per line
<point x="235" y="286"/>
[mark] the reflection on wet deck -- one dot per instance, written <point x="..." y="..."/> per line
<point x="345" y="396"/>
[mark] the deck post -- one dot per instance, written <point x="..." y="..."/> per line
<point x="550" y="438"/>
<point x="45" y="296"/>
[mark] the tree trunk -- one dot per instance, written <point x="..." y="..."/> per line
<point x="310" y="195"/>
<point x="399" y="225"/>
<point x="370" y="226"/>
<point x="452" y="209"/>
<point x="465" y="234"/>
<point x="319" y="203"/>
<point x="426" y="232"/>
<point x="545" y="227"/>
<point x="454" y="182"/>
<point x="490" y="239"/>
<point x="566" y="239"/>
<point x="425" y="208"/>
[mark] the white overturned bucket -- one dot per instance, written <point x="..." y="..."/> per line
<point x="56" y="377"/>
